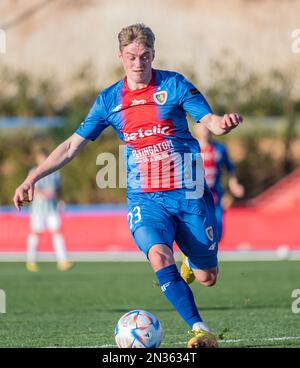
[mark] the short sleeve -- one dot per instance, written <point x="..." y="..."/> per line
<point x="95" y="122"/>
<point x="191" y="99"/>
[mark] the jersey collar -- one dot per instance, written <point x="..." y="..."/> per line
<point x="151" y="83"/>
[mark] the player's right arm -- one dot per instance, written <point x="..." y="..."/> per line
<point x="63" y="154"/>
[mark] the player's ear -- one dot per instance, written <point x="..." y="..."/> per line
<point x="153" y="55"/>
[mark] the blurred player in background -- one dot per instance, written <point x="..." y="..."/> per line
<point x="216" y="161"/>
<point x="148" y="110"/>
<point x="44" y="215"/>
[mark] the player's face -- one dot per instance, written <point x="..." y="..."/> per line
<point x="137" y="61"/>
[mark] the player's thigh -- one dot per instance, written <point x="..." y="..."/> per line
<point x="196" y="236"/>
<point x="149" y="223"/>
<point x="53" y="221"/>
<point x="37" y="222"/>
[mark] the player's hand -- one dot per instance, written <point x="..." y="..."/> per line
<point x="61" y="205"/>
<point x="235" y="187"/>
<point x="238" y="190"/>
<point x="24" y="193"/>
<point x="230" y="121"/>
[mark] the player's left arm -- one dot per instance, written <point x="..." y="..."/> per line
<point x="220" y="125"/>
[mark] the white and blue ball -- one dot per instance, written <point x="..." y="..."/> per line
<point x="138" y="329"/>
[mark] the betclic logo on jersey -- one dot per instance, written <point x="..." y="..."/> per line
<point x="162" y="128"/>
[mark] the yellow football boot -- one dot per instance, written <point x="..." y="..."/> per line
<point x="65" y="265"/>
<point x="32" y="267"/>
<point x="185" y="272"/>
<point x="203" y="339"/>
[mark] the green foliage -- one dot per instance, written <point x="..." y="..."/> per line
<point x="235" y="88"/>
<point x="22" y="95"/>
<point x="258" y="170"/>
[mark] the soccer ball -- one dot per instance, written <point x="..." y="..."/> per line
<point x="138" y="329"/>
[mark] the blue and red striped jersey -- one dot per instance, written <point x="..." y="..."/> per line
<point x="216" y="161"/>
<point x="152" y="122"/>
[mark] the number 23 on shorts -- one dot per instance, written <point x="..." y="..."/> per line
<point x="134" y="216"/>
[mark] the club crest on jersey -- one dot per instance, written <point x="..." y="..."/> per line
<point x="210" y="233"/>
<point x="160" y="97"/>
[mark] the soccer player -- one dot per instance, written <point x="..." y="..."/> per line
<point x="216" y="160"/>
<point x="148" y="110"/>
<point x="44" y="215"/>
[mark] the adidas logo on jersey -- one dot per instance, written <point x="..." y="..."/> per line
<point x="141" y="133"/>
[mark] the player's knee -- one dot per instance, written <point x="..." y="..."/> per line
<point x="211" y="282"/>
<point x="160" y="257"/>
<point x="208" y="280"/>
<point x="160" y="260"/>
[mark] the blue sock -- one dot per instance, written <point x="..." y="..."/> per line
<point x="179" y="294"/>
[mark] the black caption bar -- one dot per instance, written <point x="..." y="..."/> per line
<point x="98" y="357"/>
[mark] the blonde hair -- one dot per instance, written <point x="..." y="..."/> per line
<point x="136" y="33"/>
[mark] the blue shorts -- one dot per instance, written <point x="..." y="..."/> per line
<point x="162" y="217"/>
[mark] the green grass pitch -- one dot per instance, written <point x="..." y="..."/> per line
<point x="79" y="308"/>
